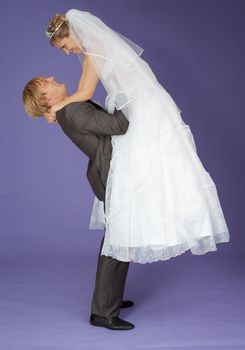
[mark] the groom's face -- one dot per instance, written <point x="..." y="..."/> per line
<point x="52" y="90"/>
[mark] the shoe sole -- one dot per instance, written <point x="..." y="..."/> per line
<point x="94" y="323"/>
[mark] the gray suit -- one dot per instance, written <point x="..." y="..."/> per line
<point x="90" y="127"/>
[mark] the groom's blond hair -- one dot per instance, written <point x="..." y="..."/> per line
<point x="33" y="98"/>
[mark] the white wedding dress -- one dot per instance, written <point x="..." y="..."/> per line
<point x="160" y="200"/>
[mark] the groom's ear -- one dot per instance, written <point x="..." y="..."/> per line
<point x="46" y="100"/>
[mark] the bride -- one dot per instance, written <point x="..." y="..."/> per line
<point x="160" y="200"/>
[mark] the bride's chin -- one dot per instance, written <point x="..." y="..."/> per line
<point x="78" y="51"/>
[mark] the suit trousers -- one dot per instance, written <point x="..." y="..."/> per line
<point x="109" y="285"/>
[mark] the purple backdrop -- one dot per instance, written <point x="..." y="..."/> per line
<point x="196" y="50"/>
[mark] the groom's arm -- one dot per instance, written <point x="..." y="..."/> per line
<point x="85" y="118"/>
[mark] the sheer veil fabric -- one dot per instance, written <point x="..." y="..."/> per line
<point x="160" y="200"/>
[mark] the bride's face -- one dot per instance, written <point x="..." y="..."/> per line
<point x="69" y="45"/>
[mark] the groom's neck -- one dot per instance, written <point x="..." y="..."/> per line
<point x="59" y="99"/>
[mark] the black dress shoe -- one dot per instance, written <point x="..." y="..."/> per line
<point x="126" y="303"/>
<point x="114" y="323"/>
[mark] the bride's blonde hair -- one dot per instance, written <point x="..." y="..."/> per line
<point x="58" y="28"/>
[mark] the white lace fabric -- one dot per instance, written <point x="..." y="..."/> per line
<point x="151" y="254"/>
<point x="160" y="200"/>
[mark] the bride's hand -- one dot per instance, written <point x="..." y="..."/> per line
<point x="57" y="106"/>
<point x="50" y="117"/>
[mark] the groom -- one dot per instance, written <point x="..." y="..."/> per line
<point x="89" y="127"/>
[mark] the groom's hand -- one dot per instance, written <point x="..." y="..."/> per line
<point x="50" y="117"/>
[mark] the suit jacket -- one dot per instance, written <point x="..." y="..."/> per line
<point x="89" y="126"/>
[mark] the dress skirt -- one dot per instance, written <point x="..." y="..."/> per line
<point x="160" y="200"/>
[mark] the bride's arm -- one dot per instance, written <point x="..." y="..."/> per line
<point x="86" y="87"/>
<point x="88" y="81"/>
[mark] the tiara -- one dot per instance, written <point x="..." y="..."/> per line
<point x="50" y="34"/>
